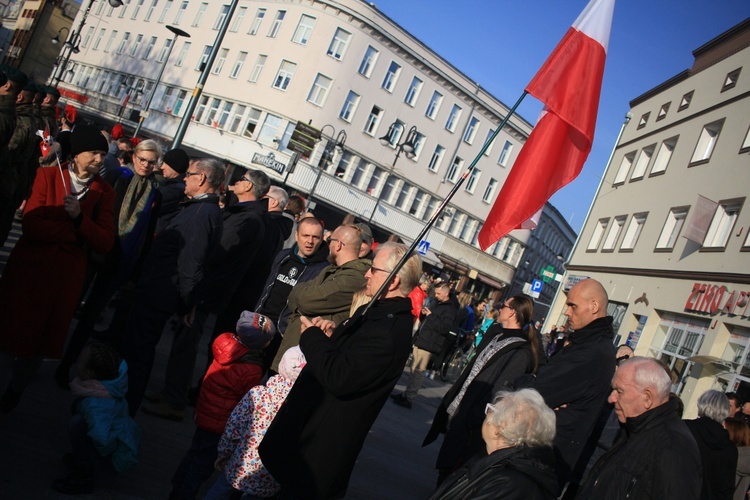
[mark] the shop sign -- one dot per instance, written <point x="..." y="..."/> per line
<point x="718" y="299"/>
<point x="74" y="96"/>
<point x="269" y="162"/>
<point x="573" y="280"/>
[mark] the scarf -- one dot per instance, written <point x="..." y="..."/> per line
<point x="134" y="203"/>
<point x="78" y="187"/>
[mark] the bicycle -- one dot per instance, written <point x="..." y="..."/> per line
<point x="458" y="358"/>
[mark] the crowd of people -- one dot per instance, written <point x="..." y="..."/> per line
<point x="301" y="362"/>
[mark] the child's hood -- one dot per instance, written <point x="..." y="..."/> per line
<point x="118" y="387"/>
<point x="227" y="349"/>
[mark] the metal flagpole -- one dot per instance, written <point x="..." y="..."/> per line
<point x="442" y="206"/>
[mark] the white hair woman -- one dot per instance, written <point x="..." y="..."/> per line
<point x="518" y="432"/>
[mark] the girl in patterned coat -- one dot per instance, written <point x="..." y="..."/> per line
<point x="238" y="448"/>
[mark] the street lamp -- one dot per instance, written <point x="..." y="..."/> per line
<point x="327" y="157"/>
<point x="56" y="38"/>
<point x="144" y="113"/>
<point x="407" y="147"/>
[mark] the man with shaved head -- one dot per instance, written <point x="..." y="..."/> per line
<point x="330" y="294"/>
<point x="576" y="382"/>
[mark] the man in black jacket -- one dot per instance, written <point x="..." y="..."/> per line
<point x="656" y="456"/>
<point x="576" y="381"/>
<point x="430" y="341"/>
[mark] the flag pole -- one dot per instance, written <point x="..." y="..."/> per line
<point x="442" y="206"/>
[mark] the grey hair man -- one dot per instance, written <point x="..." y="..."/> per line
<point x="657" y="456"/>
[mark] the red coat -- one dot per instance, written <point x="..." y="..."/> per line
<point x="226" y="382"/>
<point x="41" y="286"/>
<point x="417" y="296"/>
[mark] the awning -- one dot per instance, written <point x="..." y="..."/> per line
<point x="711" y="360"/>
<point x="491" y="281"/>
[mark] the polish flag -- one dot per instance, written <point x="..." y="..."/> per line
<point x="569" y="84"/>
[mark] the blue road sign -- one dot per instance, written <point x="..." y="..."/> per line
<point x="536" y="286"/>
<point x="423" y="246"/>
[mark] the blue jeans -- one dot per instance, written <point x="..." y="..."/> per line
<point x="222" y="490"/>
<point x="197" y="465"/>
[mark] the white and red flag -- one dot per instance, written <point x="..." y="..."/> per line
<point x="569" y="84"/>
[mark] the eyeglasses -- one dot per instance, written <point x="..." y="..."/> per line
<point x="374" y="269"/>
<point x="505" y="306"/>
<point x="243" y="178"/>
<point x="490" y="408"/>
<point x="188" y="174"/>
<point x="150" y="163"/>
<point x="337" y="241"/>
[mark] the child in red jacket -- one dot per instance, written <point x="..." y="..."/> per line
<point x="236" y="368"/>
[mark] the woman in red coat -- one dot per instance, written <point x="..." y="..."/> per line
<point x="68" y="214"/>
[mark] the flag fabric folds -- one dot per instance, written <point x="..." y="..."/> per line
<point x="569" y="84"/>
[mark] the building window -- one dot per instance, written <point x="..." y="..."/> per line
<point x="418" y="145"/>
<point x="181" y="95"/>
<point x="371" y="125"/>
<point x="237" y="19"/>
<point x="505" y="154"/>
<point x="663" y="111"/>
<point x="390" y="185"/>
<point x="471" y="182"/>
<point x="255" y="26"/>
<point x="223" y="11"/>
<point x="276" y="26"/>
<point x="304" y="30"/>
<point x="259" y="63"/>
<point x="238" y="64"/>
<point x="349" y="107"/>
<point x="434" y="105"/>
<point x="213" y="110"/>
<point x="614" y="233"/>
<point x="490" y="133"/>
<point x="416" y="203"/>
<point x="359" y="173"/>
<point x="110" y="41"/>
<point x="164" y="50"/>
<point x="374" y="182"/>
<point x="489" y="191"/>
<point x="722" y="224"/>
<point x="252" y="122"/>
<point x="706" y="142"/>
<point x="239" y="114"/>
<point x="150" y="10"/>
<point x="88" y="36"/>
<point x="731" y="80"/>
<point x="432" y="205"/>
<point x="368" y="62"/>
<point x="682" y="337"/>
<point x="319" y="90"/>
<point x="219" y="63"/>
<point x="746" y="143"/>
<point x="471" y="130"/>
<point x="413" y="93"/>
<point x="149" y="48"/>
<point x="121" y="14"/>
<point x="403" y="196"/>
<point x="183" y="54"/>
<point x="284" y="76"/>
<point x="271" y="129"/>
<point x="625" y="164"/>
<point x="224" y="114"/>
<point x="633" y="231"/>
<point x="672" y="228"/>
<point x="395" y="133"/>
<point x="391" y="76"/>
<point x="644" y="120"/>
<point x="165" y="11"/>
<point x="596" y="237"/>
<point x="199" y="15"/>
<point x="180" y="13"/>
<point x="136" y="45"/>
<point x="685" y="101"/>
<point x="454" y="170"/>
<point x="204" y="58"/>
<point x="663" y="156"/>
<point x="644" y="158"/>
<point x="453" y="118"/>
<point x="339" y="43"/>
<point x="99" y="38"/>
<point x="202" y="103"/>
<point x="437" y="158"/>
<point x="136" y="9"/>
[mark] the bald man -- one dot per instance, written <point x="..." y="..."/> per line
<point x="576" y="382"/>
<point x="330" y="294"/>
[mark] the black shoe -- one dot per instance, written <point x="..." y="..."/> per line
<point x="10" y="400"/>
<point x="74" y="484"/>
<point x="401" y="400"/>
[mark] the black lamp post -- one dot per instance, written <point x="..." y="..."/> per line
<point x="327" y="157"/>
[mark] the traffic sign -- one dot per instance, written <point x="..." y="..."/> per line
<point x="536" y="286"/>
<point x="423" y="247"/>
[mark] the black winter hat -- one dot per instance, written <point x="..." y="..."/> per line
<point x="87" y="138"/>
<point x="177" y="159"/>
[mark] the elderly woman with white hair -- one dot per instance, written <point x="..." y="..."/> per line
<point x="518" y="432"/>
<point x="718" y="453"/>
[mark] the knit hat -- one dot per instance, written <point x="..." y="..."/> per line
<point x="292" y="363"/>
<point x="87" y="138"/>
<point x="31" y="86"/>
<point x="16" y="75"/>
<point x="177" y="159"/>
<point x="50" y="90"/>
<point x="70" y="113"/>
<point x="254" y="330"/>
<point x="117" y="132"/>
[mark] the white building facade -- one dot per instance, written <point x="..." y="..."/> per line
<point x="668" y="232"/>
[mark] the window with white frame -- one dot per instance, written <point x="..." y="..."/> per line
<point x="505" y="154"/>
<point x="391" y="76"/>
<point x="284" y="75"/>
<point x="223" y="11"/>
<point x="237" y="19"/>
<point x="389" y="188"/>
<point x="304" y="29"/>
<point x="707" y="142"/>
<point x="416" y="203"/>
<point x="87" y="38"/>
<point x="237" y="116"/>
<point x="471" y="130"/>
<point x="180" y="13"/>
<point x="614" y="233"/>
<point x="276" y="26"/>
<point x="731" y="79"/>
<point x="676" y="340"/>
<point x="226" y="109"/>
<point x="252" y="122"/>
<point x="213" y="112"/>
<point x="395" y="132"/>
<point x="260" y="62"/>
<point x="368" y="62"/>
<point x="350" y="106"/>
<point x="136" y="45"/>
<point x="596" y="236"/>
<point x="666" y="148"/>
<point x="338" y="45"/>
<point x="413" y="93"/>
<point x="453" y="118"/>
<point x="644" y="120"/>
<point x="403" y="196"/>
<point x="238" y="64"/>
<point x="319" y="90"/>
<point x="489" y="191"/>
<point x="99" y="38"/>
<point x="199" y="15"/>
<point x="432" y="205"/>
<point x="165" y="11"/>
<point x="663" y="111"/>
<point x="375" y="180"/>
<point x="722" y="224"/>
<point x="359" y="173"/>
<point x="272" y="129"/>
<point x="100" y="9"/>
<point x="672" y="228"/>
<point x="685" y="101"/>
<point x="644" y="158"/>
<point x="454" y="169"/>
<point x="259" y="15"/>
<point x="164" y="50"/>
<point x="149" y="48"/>
<point x="419" y="141"/>
<point x="490" y="132"/>
<point x="633" y="231"/>
<point x="201" y="108"/>
<point x="434" y="105"/>
<point x="625" y="164"/>
<point x="746" y="143"/>
<point x="219" y="62"/>
<point x="437" y="158"/>
<point x="110" y="41"/>
<point x="181" y="95"/>
<point x="204" y="57"/>
<point x="150" y="10"/>
<point x="373" y="120"/>
<point x="471" y="181"/>
<point x="136" y="8"/>
<point x="183" y="54"/>
<point x="121" y="13"/>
